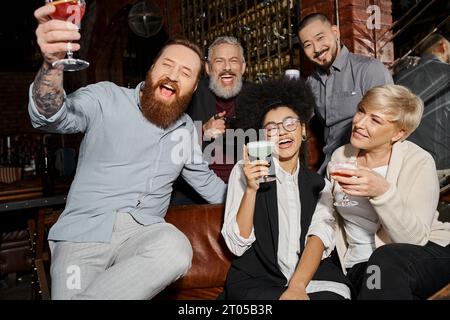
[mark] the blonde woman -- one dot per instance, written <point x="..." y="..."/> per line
<point x="391" y="244"/>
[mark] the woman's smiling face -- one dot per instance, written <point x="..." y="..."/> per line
<point x="373" y="129"/>
<point x="287" y="143"/>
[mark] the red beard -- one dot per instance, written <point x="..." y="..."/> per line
<point x="161" y="113"/>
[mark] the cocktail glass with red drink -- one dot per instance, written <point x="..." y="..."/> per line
<point x="70" y="11"/>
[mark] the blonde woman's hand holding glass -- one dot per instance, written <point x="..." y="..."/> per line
<point x="361" y="182"/>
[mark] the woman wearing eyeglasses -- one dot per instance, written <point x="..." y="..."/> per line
<point x="281" y="232"/>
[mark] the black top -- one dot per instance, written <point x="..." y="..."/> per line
<point x="256" y="273"/>
<point x="203" y="103"/>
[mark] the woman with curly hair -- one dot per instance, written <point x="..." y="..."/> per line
<point x="281" y="232"/>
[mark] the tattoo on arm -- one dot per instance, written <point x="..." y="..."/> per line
<point x="48" y="92"/>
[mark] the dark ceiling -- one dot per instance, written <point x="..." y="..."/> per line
<point x="422" y="25"/>
<point x="20" y="52"/>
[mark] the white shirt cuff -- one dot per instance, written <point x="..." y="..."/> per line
<point x="240" y="240"/>
<point x="327" y="242"/>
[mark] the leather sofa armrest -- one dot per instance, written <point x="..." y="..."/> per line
<point x="211" y="257"/>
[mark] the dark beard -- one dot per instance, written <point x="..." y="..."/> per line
<point x="333" y="57"/>
<point x="158" y="112"/>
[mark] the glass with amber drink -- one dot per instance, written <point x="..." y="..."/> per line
<point x="333" y="166"/>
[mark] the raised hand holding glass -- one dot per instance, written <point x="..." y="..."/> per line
<point x="70" y="11"/>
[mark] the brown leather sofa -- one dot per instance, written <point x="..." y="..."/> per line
<point x="211" y="259"/>
<point x="15" y="252"/>
<point x="200" y="223"/>
<point x="15" y="246"/>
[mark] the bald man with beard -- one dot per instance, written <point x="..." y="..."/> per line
<point x="112" y="233"/>
<point x="339" y="81"/>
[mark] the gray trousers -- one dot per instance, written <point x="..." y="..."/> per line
<point x="139" y="262"/>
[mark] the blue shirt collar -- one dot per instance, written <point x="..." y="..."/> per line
<point x="137" y="93"/>
<point x="341" y="60"/>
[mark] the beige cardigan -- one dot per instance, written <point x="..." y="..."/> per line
<point x="407" y="211"/>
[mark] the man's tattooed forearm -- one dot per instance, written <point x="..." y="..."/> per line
<point x="48" y="92"/>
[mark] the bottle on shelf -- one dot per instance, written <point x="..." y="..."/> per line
<point x="292" y="73"/>
<point x="29" y="169"/>
<point x="11" y="170"/>
<point x="46" y="172"/>
<point x="9" y="157"/>
<point x="2" y="152"/>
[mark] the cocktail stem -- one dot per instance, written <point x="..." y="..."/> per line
<point x="69" y="52"/>
<point x="69" y="49"/>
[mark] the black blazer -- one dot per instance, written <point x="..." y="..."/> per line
<point x="203" y="104"/>
<point x="256" y="274"/>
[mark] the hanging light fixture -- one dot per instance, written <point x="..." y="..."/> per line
<point x="145" y="19"/>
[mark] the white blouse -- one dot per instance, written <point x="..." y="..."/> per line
<point x="360" y="223"/>
<point x="289" y="214"/>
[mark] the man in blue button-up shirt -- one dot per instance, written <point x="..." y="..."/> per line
<point x="111" y="241"/>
